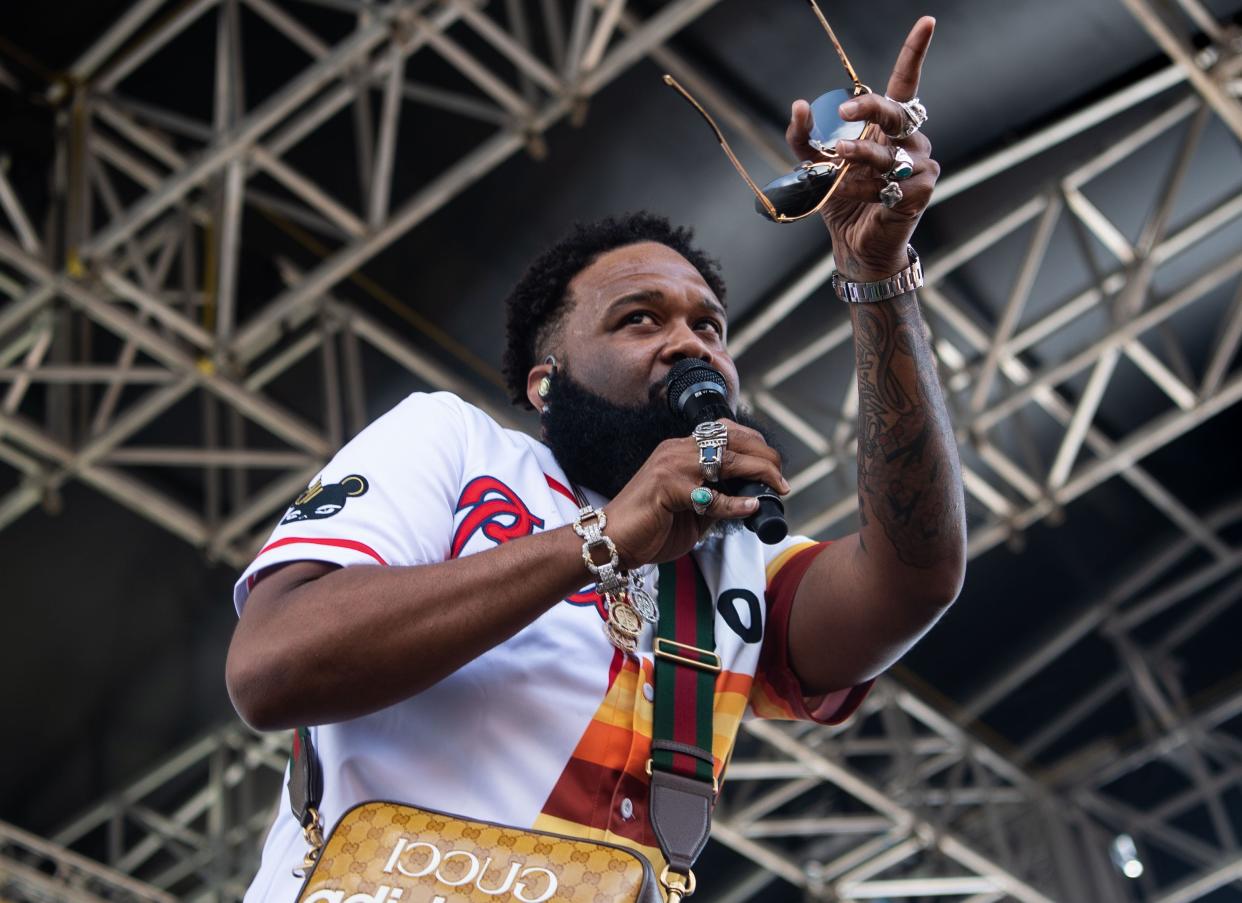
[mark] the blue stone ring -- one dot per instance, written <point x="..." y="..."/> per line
<point x="712" y="438"/>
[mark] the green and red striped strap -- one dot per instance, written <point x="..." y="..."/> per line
<point x="686" y="666"/>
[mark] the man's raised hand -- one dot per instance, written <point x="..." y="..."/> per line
<point x="868" y="239"/>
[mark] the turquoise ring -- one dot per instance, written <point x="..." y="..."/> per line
<point x="903" y="166"/>
<point x="701" y="499"/>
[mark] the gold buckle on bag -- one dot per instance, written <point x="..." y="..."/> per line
<point x="313" y="835"/>
<point x="678" y="886"/>
<point x="710" y="661"/>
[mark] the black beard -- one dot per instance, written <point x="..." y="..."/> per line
<point x="601" y="445"/>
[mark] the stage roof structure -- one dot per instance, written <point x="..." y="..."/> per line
<point x="232" y="232"/>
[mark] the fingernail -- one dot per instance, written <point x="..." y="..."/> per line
<point x="751" y="504"/>
<point x="785" y="487"/>
<point x="849" y="109"/>
<point x="845" y="147"/>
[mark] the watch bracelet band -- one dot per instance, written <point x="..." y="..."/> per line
<point x="899" y="283"/>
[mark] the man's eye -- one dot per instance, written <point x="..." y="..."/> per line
<point x="712" y="325"/>
<point x="637" y="318"/>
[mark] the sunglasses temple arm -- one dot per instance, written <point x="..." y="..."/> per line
<point x="845" y="60"/>
<point x="737" y="164"/>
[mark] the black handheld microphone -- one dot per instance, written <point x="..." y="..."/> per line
<point x="697" y="393"/>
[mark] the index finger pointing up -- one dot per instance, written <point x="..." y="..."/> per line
<point x="903" y="85"/>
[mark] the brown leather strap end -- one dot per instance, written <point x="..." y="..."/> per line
<point x="681" y="816"/>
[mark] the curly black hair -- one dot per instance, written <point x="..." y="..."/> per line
<point x="539" y="301"/>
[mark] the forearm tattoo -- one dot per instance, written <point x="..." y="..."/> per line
<point x="908" y="476"/>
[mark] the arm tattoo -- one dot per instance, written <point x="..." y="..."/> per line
<point x="908" y="477"/>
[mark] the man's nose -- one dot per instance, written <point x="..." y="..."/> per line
<point x="686" y="343"/>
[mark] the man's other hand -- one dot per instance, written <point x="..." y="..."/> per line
<point x="652" y="518"/>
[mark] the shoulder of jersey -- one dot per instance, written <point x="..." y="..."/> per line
<point x="472" y="416"/>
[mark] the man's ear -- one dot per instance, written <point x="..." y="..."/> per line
<point x="535" y="382"/>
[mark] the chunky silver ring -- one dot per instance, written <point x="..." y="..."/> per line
<point x="701" y="499"/>
<point x="712" y="438"/>
<point x="903" y="166"/>
<point x="915" y="115"/>
<point x="891" y="195"/>
<point x="710" y="429"/>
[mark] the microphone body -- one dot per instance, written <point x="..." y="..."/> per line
<point x="697" y="394"/>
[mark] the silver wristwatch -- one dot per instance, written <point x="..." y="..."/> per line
<point x="898" y="284"/>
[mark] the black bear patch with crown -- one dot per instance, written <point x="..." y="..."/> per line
<point x="320" y="501"/>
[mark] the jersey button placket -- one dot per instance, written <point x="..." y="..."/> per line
<point x="624" y="709"/>
<point x="623" y="806"/>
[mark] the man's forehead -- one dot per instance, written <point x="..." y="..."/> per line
<point x="637" y="267"/>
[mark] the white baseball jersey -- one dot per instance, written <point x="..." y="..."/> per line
<point x="551" y="729"/>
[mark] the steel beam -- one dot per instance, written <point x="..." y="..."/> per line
<point x="30" y="864"/>
<point x="1226" y="106"/>
<point x="901" y="817"/>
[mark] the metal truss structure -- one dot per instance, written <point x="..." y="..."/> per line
<point x="919" y="806"/>
<point x="190" y="829"/>
<point x="136" y="275"/>
<point x="1006" y="371"/>
<point x="31" y="868"/>
<point x="906" y="801"/>
<point x="999" y="376"/>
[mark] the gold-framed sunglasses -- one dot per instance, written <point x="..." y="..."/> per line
<point x="806" y="190"/>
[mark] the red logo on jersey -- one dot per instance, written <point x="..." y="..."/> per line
<point x="589" y="598"/>
<point x="501" y="515"/>
<point x="496" y="510"/>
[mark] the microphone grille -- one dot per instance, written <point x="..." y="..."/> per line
<point x="692" y="374"/>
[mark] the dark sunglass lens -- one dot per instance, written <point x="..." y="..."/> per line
<point x="797" y="193"/>
<point x="829" y="127"/>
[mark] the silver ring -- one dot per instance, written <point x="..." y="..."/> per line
<point x="915" y="115"/>
<point x="701" y="499"/>
<point x="903" y="166"/>
<point x="712" y="438"/>
<point x="891" y="195"/>
<point x="710" y="429"/>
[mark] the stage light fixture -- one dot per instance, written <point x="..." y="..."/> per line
<point x="1124" y="855"/>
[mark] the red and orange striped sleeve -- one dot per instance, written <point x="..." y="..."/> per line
<point x="777" y="691"/>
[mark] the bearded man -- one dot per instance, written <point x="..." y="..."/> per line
<point x="425" y="605"/>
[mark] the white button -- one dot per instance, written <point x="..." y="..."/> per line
<point x="649" y="692"/>
<point x="627" y="809"/>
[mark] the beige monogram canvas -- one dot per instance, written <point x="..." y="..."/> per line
<point x="389" y="853"/>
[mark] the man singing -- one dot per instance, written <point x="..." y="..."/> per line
<point x="426" y="607"/>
